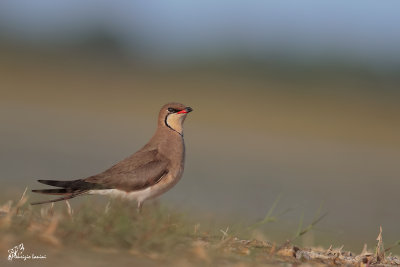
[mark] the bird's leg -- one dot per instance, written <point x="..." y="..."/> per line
<point x="139" y="206"/>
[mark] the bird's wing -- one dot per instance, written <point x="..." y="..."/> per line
<point x="139" y="171"/>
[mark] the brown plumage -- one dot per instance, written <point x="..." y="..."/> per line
<point x="146" y="174"/>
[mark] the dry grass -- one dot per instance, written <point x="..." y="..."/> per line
<point x="157" y="236"/>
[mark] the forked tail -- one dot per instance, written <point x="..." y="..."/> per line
<point x="70" y="189"/>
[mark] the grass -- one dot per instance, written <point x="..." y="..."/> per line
<point x="116" y="233"/>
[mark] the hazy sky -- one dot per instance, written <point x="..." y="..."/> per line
<point x="369" y="29"/>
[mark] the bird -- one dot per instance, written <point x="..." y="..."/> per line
<point x="148" y="173"/>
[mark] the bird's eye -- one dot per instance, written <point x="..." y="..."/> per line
<point x="172" y="110"/>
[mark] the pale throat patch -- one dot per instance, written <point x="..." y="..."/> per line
<point x="175" y="121"/>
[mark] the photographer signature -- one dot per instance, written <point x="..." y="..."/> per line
<point x="17" y="253"/>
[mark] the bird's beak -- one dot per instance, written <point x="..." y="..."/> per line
<point x="186" y="110"/>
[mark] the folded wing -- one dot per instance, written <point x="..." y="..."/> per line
<point x="137" y="172"/>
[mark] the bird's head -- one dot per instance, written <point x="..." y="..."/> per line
<point x="172" y="115"/>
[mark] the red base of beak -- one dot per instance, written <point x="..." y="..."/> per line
<point x="186" y="110"/>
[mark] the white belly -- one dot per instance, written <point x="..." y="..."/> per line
<point x="139" y="196"/>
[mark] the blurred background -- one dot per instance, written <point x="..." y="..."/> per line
<point x="296" y="99"/>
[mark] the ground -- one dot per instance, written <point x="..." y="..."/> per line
<point x="99" y="235"/>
